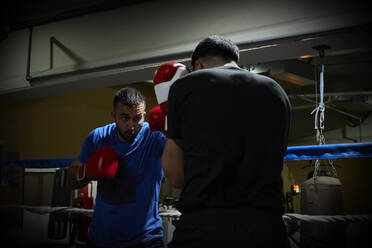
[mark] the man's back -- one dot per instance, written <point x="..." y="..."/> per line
<point x="234" y="126"/>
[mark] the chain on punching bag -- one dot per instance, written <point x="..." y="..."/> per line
<point x="322" y="194"/>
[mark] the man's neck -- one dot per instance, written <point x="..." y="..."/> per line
<point x="122" y="139"/>
<point x="232" y="63"/>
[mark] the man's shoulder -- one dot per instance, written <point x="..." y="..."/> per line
<point x="202" y="73"/>
<point x="191" y="78"/>
<point x="157" y="136"/>
<point x="146" y="133"/>
<point x="103" y="131"/>
<point x="215" y="71"/>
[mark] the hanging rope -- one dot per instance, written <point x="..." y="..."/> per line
<point x="319" y="112"/>
<point x="320" y="109"/>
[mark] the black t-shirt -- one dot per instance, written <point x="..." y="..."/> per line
<point x="233" y="126"/>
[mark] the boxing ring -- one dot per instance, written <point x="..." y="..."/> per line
<point x="292" y="221"/>
<point x="308" y="152"/>
<point x="330" y="151"/>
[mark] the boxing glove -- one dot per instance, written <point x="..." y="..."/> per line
<point x="164" y="77"/>
<point x="157" y="119"/>
<point x="102" y="164"/>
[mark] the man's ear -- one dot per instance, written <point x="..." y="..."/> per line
<point x="198" y="65"/>
<point x="144" y="115"/>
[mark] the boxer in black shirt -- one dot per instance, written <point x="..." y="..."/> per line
<point x="227" y="135"/>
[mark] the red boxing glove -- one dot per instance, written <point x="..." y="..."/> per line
<point x="102" y="164"/>
<point x="164" y="77"/>
<point x="157" y="119"/>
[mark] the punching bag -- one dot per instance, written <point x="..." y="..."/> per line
<point x="322" y="195"/>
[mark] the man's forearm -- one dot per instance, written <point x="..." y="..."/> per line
<point x="173" y="163"/>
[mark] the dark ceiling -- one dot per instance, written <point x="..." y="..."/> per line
<point x="21" y="14"/>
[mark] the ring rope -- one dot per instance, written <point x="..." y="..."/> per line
<point x="286" y="217"/>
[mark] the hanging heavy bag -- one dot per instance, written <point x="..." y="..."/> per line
<point x="322" y="195"/>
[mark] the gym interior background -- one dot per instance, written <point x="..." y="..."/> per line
<point x="62" y="64"/>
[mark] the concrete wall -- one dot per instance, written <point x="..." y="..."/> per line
<point x="346" y="134"/>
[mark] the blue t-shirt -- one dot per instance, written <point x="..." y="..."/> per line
<point x="126" y="207"/>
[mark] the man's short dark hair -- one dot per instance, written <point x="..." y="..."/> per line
<point x="216" y="45"/>
<point x="130" y="97"/>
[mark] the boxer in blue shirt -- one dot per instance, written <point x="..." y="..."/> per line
<point x="126" y="207"/>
